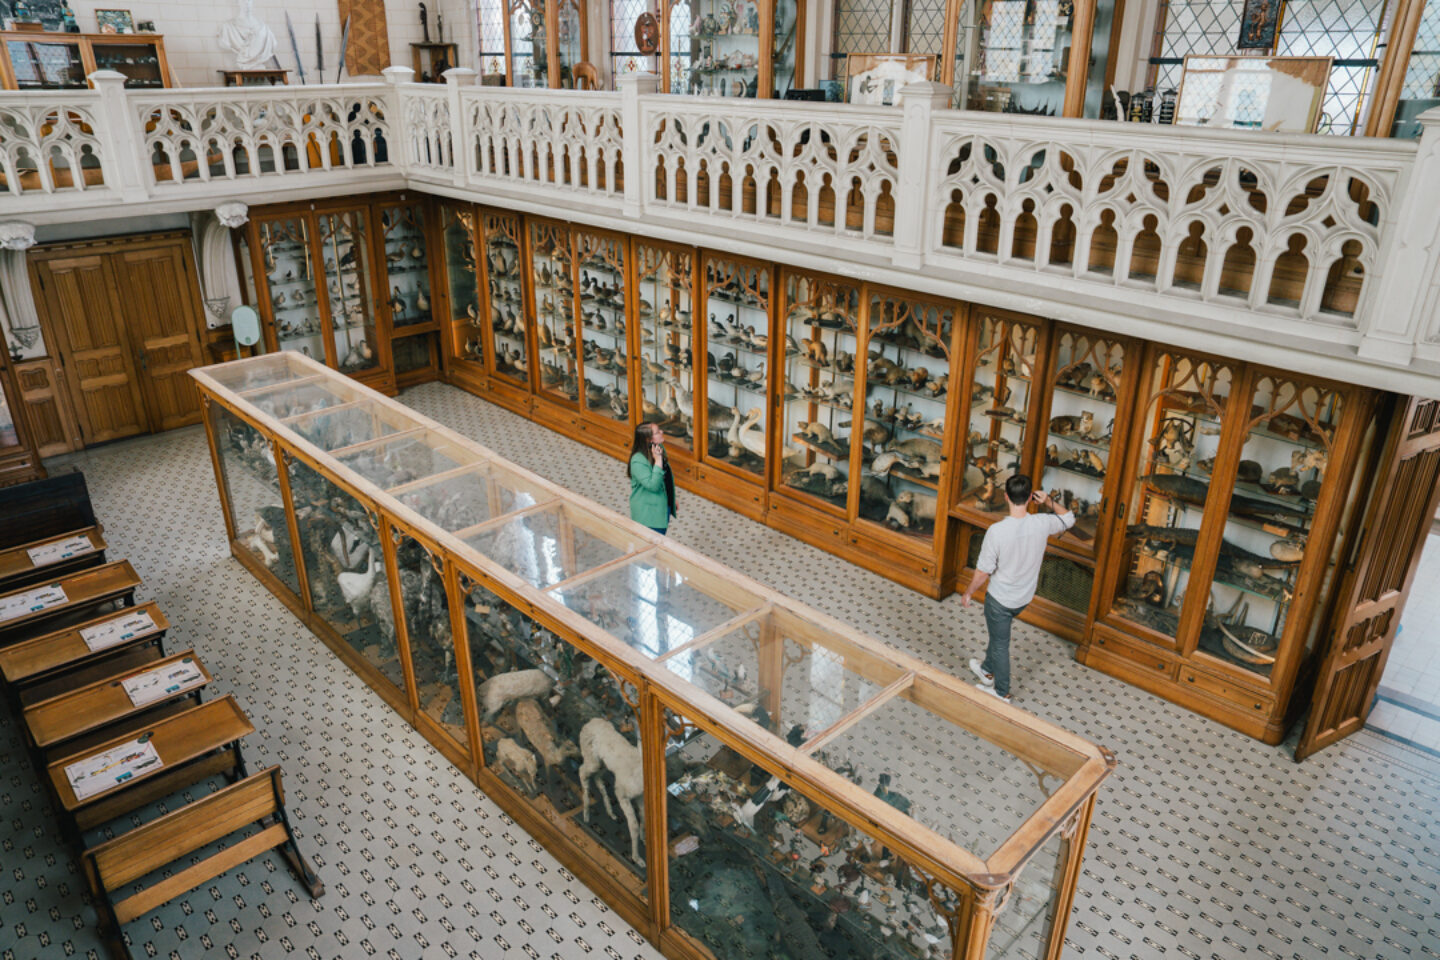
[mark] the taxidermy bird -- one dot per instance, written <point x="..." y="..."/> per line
<point x="356" y="587"/>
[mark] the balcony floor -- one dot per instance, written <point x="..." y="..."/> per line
<point x="1205" y="842"/>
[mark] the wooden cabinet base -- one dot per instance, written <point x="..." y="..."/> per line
<point x="1163" y="674"/>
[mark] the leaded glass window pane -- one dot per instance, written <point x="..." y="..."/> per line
<point x="925" y="26"/>
<point x="861" y="26"/>
<point x="1421" y="89"/>
<point x="490" y="15"/>
<point x="624" y="57"/>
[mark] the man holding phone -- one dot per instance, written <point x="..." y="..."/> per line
<point x="1010" y="559"/>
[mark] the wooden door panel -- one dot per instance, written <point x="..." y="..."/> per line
<point x="1379" y="578"/>
<point x="48" y="408"/>
<point x="160" y="312"/>
<point x="83" y="307"/>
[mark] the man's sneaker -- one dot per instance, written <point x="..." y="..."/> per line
<point x="986" y="678"/>
<point x="985" y="688"/>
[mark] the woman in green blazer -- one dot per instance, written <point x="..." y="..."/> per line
<point x="652" y="485"/>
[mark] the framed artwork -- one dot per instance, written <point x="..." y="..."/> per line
<point x="1275" y="94"/>
<point x="114" y="21"/>
<point x="1258" y="24"/>
<point x="878" y="78"/>
<point x="144" y="26"/>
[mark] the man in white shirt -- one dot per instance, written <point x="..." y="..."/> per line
<point x="1010" y="559"/>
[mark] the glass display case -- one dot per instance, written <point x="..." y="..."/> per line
<point x="813" y="790"/>
<point x="505" y="293"/>
<point x="569" y="40"/>
<point x="725" y="48"/>
<point x="407" y="266"/>
<point x="666" y="346"/>
<point x="1184" y="411"/>
<point x="907" y="379"/>
<point x="604" y="342"/>
<point x="552" y="309"/>
<point x="789" y="35"/>
<point x="457" y="235"/>
<point x="1085" y="391"/>
<point x="527" y="51"/>
<point x="38" y="62"/>
<point x="290" y="281"/>
<point x="349" y="283"/>
<point x="251" y="496"/>
<point x="140" y="61"/>
<point x="817" y="395"/>
<point x="1000" y="403"/>
<point x="736" y="297"/>
<point x="1013" y="56"/>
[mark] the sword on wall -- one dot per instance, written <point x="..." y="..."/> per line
<point x="295" y="47"/>
<point x="344" y="45"/>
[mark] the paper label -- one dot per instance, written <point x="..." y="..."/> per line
<point x="119" y="630"/>
<point x="162" y="682"/>
<point x="113" y="767"/>
<point x="41" y="598"/>
<point x="49" y="553"/>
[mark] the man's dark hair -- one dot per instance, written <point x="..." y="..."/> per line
<point x="1017" y="489"/>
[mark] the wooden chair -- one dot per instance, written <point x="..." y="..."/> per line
<point x="113" y="867"/>
<point x="57" y="555"/>
<point x="44" y="508"/>
<point x="587" y="76"/>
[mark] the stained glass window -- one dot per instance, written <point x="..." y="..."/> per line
<point x="624" y="57"/>
<point x="1344" y="29"/>
<point x="861" y="26"/>
<point x="925" y="27"/>
<point x="490" y="19"/>
<point x="527" y="43"/>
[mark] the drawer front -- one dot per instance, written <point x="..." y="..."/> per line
<point x="1147" y="659"/>
<point x="1250" y="700"/>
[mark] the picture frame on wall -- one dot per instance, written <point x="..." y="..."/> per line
<point x="1274" y="94"/>
<point x="1259" y="22"/>
<point x="114" y="21"/>
<point x="876" y="79"/>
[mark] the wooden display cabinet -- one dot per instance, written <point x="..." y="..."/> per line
<point x="62" y="61"/>
<point x="665" y="348"/>
<point x="1212" y="585"/>
<point x="768" y="762"/>
<point x="747" y="49"/>
<point x="734" y="428"/>
<point x="404" y="230"/>
<point x="19" y="458"/>
<point x="551" y="321"/>
<point x="605" y="281"/>
<point x="466" y="341"/>
<point x="320" y="275"/>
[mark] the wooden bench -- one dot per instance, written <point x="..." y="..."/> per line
<point x="106" y="587"/>
<point x="44" y="508"/>
<point x="104" y="703"/>
<point x="18" y="566"/>
<point x="193" y="744"/>
<point x="29" y="663"/>
<point x="114" y="867"/>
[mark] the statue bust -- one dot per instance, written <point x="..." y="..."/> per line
<point x="247" y="38"/>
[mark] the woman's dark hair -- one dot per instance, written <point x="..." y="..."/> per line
<point x="1017" y="489"/>
<point x="640" y="445"/>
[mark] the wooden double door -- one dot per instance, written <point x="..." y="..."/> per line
<point x="124" y="320"/>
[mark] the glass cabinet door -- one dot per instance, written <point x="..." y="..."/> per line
<point x="1288" y="443"/>
<point x="787" y="40"/>
<point x="667" y="356"/>
<point x="506" y="294"/>
<point x="457" y="235"/>
<point x="737" y="324"/>
<point x="1084" y="391"/>
<point x="406" y="265"/>
<point x="527" y="42"/>
<point x="725" y="48"/>
<point x="1187" y="398"/>
<point x="46" y="66"/>
<point x="1011" y="56"/>
<point x="139" y="62"/>
<point x="604" y="355"/>
<point x="822" y="319"/>
<point x="552" y="304"/>
<point x="570" y="34"/>
<point x="346" y="250"/>
<point x="907" y="363"/>
<point x="1001" y="396"/>
<point x="285" y="248"/>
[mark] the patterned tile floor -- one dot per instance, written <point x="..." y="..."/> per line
<point x="1206" y="844"/>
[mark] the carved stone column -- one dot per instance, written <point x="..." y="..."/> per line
<point x="918" y="103"/>
<point x="633" y="86"/>
<point x="17" y="302"/>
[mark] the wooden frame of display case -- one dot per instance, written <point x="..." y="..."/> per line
<point x="1172" y="667"/>
<point x="86" y="43"/>
<point x="552" y="39"/>
<point x="461" y="365"/>
<point x="765" y="60"/>
<point x="610" y="435"/>
<point x="682" y="458"/>
<point x="965" y="891"/>
<point x="430" y="329"/>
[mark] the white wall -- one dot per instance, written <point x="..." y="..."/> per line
<point x="190" y="28"/>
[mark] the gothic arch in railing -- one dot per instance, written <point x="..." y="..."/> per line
<point x="428" y="137"/>
<point x="48" y="148"/>
<point x="559" y="144"/>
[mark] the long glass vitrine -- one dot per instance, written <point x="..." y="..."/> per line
<point x="730" y="769"/>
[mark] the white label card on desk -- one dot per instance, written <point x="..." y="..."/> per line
<point x="162" y="682"/>
<point x="113" y="767"/>
<point x="41" y="598"/>
<point x="119" y="630"/>
<point x="49" y="553"/>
